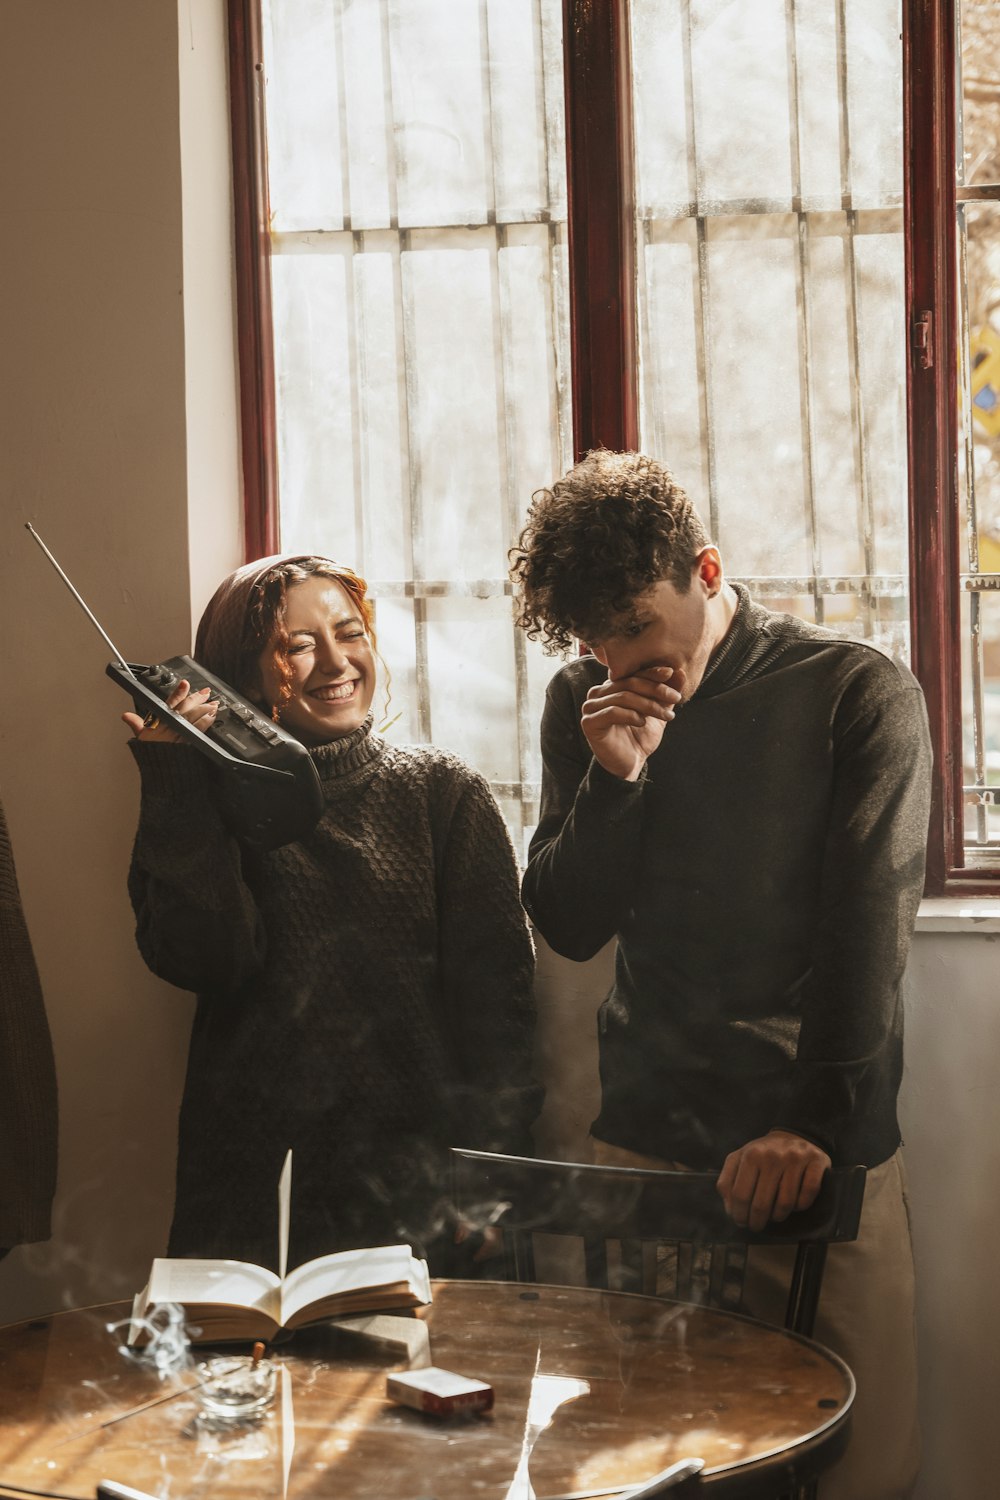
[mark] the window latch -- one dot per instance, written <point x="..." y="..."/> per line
<point x="923" y="338"/>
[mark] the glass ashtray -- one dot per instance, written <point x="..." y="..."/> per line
<point x="234" y="1389"/>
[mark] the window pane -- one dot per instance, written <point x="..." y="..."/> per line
<point x="979" y="135"/>
<point x="979" y="260"/>
<point x="419" y="277"/>
<point x="979" y="453"/>
<point x="770" y="291"/>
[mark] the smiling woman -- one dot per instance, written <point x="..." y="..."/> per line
<point x="315" y="671"/>
<point x="364" y="994"/>
<point x="325" y="677"/>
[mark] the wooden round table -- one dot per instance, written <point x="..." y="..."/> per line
<point x="595" y="1392"/>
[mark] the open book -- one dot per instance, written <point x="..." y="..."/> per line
<point x="231" y="1299"/>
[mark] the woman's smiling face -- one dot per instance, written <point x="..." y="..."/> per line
<point x="331" y="660"/>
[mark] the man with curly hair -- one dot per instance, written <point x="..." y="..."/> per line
<point x="741" y="799"/>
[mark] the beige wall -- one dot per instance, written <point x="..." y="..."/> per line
<point x="119" y="441"/>
<point x="950" y="1118"/>
<point x="102" y="454"/>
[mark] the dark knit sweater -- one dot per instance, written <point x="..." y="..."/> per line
<point x="28" y="1101"/>
<point x="762" y="877"/>
<point x="364" y="997"/>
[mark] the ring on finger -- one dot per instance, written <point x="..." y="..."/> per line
<point x="151" y="721"/>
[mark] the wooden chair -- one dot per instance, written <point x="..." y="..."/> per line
<point x="641" y="1211"/>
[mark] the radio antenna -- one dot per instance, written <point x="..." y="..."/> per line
<point x="82" y="602"/>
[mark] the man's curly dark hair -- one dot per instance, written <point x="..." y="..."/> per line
<point x="602" y="535"/>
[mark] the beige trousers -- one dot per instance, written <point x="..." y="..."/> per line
<point x="866" y="1315"/>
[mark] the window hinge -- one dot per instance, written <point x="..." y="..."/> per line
<point x="923" y="338"/>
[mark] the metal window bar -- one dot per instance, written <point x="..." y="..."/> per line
<point x="866" y="518"/>
<point x="506" y="415"/>
<point x="507" y="421"/>
<point x="805" y="310"/>
<point x="416" y="527"/>
<point x="703" y="315"/>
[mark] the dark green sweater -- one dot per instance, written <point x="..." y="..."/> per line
<point x="29" y="1113"/>
<point x="364" y="996"/>
<point x="762" y="877"/>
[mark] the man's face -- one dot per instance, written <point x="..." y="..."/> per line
<point x="664" y="628"/>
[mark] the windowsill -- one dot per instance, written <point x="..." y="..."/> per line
<point x="959" y="914"/>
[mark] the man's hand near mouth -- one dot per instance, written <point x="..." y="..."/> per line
<point x="624" y="718"/>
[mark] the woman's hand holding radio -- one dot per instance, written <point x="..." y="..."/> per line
<point x="194" y="707"/>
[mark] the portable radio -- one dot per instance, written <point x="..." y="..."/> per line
<point x="269" y="791"/>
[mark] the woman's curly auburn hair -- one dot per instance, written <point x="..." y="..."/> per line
<point x="602" y="535"/>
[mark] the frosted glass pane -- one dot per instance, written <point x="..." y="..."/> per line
<point x="742" y="151"/>
<point x="363" y="87"/>
<point x="835" y="437"/>
<point x="450" y="301"/>
<point x="758" y="434"/>
<point x="420" y="290"/>
<point x="883" y="383"/>
<point x="518" y="114"/>
<point x="664" y="173"/>
<point x="384" y="494"/>
<point x="740" y="143"/>
<point x="440" y="111"/>
<point x="671" y="386"/>
<point x="539" y="669"/>
<point x="305" y="180"/>
<point x="550" y="13"/>
<point x="394" y="625"/>
<point x="875" y="101"/>
<point x="982" y="313"/>
<point x="980" y="93"/>
<point x="416" y="112"/>
<point x="313" y="320"/>
<point x="883" y="620"/>
<point x="530" y="373"/>
<point x="979" y="413"/>
<point x="772" y="343"/>
<point x="470" y="663"/>
<point x="982" y="823"/>
<point x="722" y="85"/>
<point x="815" y="42"/>
<point x="470" y="654"/>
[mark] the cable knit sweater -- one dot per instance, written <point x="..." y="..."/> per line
<point x="364" y="996"/>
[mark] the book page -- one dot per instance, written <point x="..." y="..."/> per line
<point x="284" y="1212"/>
<point x="346" y="1272"/>
<point x="230" y="1282"/>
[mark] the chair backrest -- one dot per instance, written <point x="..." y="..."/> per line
<point x="638" y="1210"/>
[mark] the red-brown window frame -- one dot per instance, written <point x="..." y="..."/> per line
<point x="602" y="302"/>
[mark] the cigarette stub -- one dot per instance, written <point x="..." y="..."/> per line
<point x="440" y="1392"/>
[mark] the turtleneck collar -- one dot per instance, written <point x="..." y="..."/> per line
<point x="349" y="756"/>
<point x="740" y="647"/>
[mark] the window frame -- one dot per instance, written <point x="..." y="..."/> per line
<point x="932" y="417"/>
<point x="604" y="364"/>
